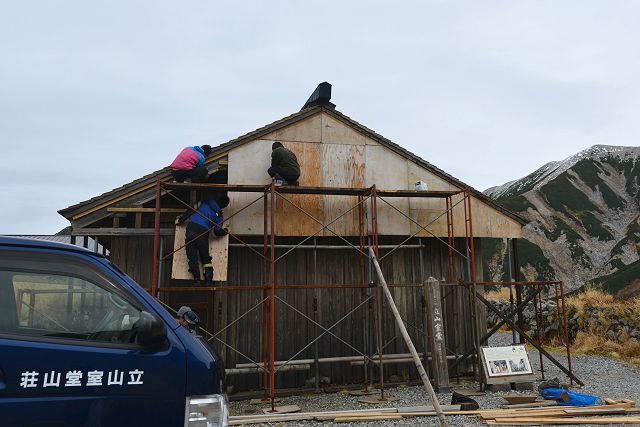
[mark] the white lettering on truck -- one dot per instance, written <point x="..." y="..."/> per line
<point x="30" y="379"/>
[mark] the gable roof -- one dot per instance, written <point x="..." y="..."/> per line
<point x="217" y="152"/>
<point x="147" y="182"/>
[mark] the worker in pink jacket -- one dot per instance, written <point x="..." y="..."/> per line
<point x="189" y="165"/>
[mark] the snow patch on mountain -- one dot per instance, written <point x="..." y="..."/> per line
<point x="552" y="169"/>
<point x="580" y="244"/>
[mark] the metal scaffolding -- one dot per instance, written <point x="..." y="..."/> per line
<point x="367" y="202"/>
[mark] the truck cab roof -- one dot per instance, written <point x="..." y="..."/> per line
<point x="43" y="244"/>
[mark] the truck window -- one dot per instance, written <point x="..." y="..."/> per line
<point x="59" y="306"/>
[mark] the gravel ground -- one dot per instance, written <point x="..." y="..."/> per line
<point x="602" y="376"/>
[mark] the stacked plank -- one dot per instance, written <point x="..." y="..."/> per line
<point x="348" y="416"/>
<point x="616" y="412"/>
<point x="623" y="412"/>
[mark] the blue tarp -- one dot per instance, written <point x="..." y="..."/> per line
<point x="576" y="399"/>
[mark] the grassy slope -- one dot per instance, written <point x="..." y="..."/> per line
<point x="632" y="235"/>
<point x="564" y="197"/>
<point x="622" y="278"/>
<point x="531" y="254"/>
<point x="589" y="171"/>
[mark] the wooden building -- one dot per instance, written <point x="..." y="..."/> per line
<point x="334" y="152"/>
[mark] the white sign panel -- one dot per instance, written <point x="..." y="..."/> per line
<point x="507" y="360"/>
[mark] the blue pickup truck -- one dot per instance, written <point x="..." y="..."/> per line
<point x="82" y="344"/>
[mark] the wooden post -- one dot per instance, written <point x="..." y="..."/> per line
<point x="407" y="340"/>
<point x="156" y="241"/>
<point x="377" y="318"/>
<point x="436" y="337"/>
<point x="516" y="277"/>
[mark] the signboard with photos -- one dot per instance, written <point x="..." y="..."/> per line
<point x="506" y="361"/>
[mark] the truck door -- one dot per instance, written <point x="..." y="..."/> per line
<point x="68" y="355"/>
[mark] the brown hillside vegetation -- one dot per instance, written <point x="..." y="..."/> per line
<point x="630" y="291"/>
<point x="597" y="312"/>
<point x="601" y="324"/>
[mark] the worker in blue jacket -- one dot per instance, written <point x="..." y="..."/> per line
<point x="206" y="217"/>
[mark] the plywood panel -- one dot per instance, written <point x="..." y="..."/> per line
<point x="336" y="132"/>
<point x="434" y="182"/>
<point x="248" y="165"/>
<point x="343" y="166"/>
<point x="350" y="164"/>
<point x="428" y="212"/>
<point x="308" y="130"/>
<point x="218" y="249"/>
<point x="388" y="171"/>
<point x="291" y="221"/>
<point x="488" y="222"/>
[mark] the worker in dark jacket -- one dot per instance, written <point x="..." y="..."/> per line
<point x="284" y="165"/>
<point x="189" y="164"/>
<point x="207" y="217"/>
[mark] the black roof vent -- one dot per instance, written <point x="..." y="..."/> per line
<point x="320" y="96"/>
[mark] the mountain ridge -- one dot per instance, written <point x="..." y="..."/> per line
<point x="583" y="213"/>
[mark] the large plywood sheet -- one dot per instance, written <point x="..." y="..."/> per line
<point x="389" y="171"/>
<point x="336" y="132"/>
<point x="218" y="249"/>
<point x="308" y="130"/>
<point x="346" y="158"/>
<point x="429" y="222"/>
<point x="428" y="213"/>
<point x="487" y="221"/>
<point x="434" y="182"/>
<point x="248" y="165"/>
<point x="291" y="220"/>
<point x="343" y="166"/>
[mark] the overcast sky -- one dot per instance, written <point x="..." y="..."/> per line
<point x="94" y="94"/>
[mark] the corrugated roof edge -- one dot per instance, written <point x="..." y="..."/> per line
<point x="286" y="121"/>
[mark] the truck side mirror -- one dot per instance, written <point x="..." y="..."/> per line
<point x="151" y="332"/>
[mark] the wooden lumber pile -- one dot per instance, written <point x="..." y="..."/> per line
<point x="620" y="412"/>
<point x="348" y="416"/>
<point x="615" y="412"/>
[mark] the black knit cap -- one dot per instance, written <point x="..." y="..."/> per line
<point x="276" y="144"/>
<point x="206" y="149"/>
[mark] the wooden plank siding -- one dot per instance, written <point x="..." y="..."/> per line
<point x="294" y="331"/>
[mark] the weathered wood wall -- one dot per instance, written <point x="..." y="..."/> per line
<point x="294" y="331"/>
<point x="134" y="256"/>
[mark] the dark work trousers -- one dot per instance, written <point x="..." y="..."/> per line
<point x="194" y="174"/>
<point x="274" y="171"/>
<point x="198" y="248"/>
